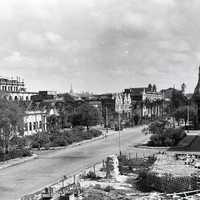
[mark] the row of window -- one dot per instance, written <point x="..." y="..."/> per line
<point x="33" y="126"/>
<point x="16" y="98"/>
<point x="10" y="88"/>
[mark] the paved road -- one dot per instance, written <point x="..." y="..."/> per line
<point x="33" y="175"/>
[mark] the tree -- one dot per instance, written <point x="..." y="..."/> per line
<point x="150" y="87"/>
<point x="178" y="99"/>
<point x="11" y="122"/>
<point x="163" y="134"/>
<point x="69" y="108"/>
<point x="86" y="115"/>
<point x="154" y="88"/>
<point x="183" y="86"/>
<point x="182" y="113"/>
<point x="136" y="119"/>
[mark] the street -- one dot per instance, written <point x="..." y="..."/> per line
<point x="31" y="176"/>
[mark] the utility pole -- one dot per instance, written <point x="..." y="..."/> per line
<point x="106" y="121"/>
<point x="188" y="115"/>
<point x="119" y="133"/>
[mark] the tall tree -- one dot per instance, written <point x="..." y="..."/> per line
<point x="182" y="113"/>
<point x="154" y="88"/>
<point x="11" y="122"/>
<point x="86" y="115"/>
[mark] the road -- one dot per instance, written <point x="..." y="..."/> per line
<point x="28" y="177"/>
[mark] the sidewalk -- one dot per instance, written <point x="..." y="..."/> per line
<point x="16" y="161"/>
<point x="103" y="136"/>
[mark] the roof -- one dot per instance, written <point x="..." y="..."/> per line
<point x="136" y="91"/>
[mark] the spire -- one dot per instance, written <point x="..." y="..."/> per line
<point x="71" y="90"/>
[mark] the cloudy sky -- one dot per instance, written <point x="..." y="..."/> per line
<point x="100" y="45"/>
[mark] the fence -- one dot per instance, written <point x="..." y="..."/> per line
<point x="68" y="184"/>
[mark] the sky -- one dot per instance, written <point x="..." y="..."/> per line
<point x="100" y="45"/>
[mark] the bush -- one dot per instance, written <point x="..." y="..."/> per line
<point x="91" y="175"/>
<point x="108" y="188"/>
<point x="163" y="135"/>
<point x="59" y="141"/>
<point x="15" y="153"/>
<point x="63" y="138"/>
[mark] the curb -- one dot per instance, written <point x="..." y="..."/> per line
<point x="147" y="147"/>
<point x="79" y="143"/>
<point x="16" y="161"/>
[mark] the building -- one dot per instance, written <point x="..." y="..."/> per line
<point x="146" y="101"/>
<point x="35" y="122"/>
<point x="43" y="95"/>
<point x="123" y="106"/>
<point x="14" y="89"/>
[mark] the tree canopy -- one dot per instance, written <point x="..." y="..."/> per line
<point x="11" y="121"/>
<point x="85" y="115"/>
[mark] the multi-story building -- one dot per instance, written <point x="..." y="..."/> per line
<point x="123" y="105"/>
<point x="14" y="89"/>
<point x="146" y="101"/>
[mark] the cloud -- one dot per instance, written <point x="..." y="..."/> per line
<point x="100" y="45"/>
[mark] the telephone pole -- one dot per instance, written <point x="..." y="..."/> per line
<point x="119" y="119"/>
<point x="106" y="121"/>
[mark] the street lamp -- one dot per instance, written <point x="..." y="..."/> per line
<point x="188" y="114"/>
<point x="119" y="126"/>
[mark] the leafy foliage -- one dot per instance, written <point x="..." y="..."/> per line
<point x="182" y="113"/>
<point x="86" y="115"/>
<point x="163" y="134"/>
<point x="61" y="138"/>
<point x="11" y="122"/>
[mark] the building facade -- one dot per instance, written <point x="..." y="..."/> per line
<point x="146" y="101"/>
<point x="123" y="106"/>
<point x="35" y="122"/>
<point x="14" y="89"/>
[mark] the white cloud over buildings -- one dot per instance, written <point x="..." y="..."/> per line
<point x="58" y="42"/>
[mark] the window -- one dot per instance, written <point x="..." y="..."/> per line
<point x="30" y="126"/>
<point x="26" y="127"/>
<point x="34" y="125"/>
<point x="16" y="98"/>
<point x="40" y="124"/>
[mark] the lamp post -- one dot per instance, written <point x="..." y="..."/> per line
<point x="188" y="114"/>
<point x="119" y="126"/>
<point x="106" y="122"/>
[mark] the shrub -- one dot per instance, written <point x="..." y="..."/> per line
<point x="15" y="153"/>
<point x="108" y="188"/>
<point x="63" y="138"/>
<point x="91" y="175"/>
<point x="97" y="187"/>
<point x="59" y="141"/>
<point x="163" y="135"/>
